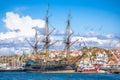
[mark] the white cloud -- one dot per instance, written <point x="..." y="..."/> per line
<point x="118" y="45"/>
<point x="6" y="51"/>
<point x="91" y="34"/>
<point x="109" y="36"/>
<point x="89" y="39"/>
<point x="24" y="24"/>
<point x="8" y="35"/>
<point x="105" y="43"/>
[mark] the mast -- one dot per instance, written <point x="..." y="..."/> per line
<point x="47" y="35"/>
<point x="68" y="37"/>
<point x="67" y="48"/>
<point x="35" y="44"/>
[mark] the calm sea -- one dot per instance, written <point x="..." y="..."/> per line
<point x="41" y="76"/>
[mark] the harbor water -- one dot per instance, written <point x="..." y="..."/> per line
<point x="43" y="76"/>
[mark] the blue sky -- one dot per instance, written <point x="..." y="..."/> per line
<point x="96" y="20"/>
<point x="90" y="14"/>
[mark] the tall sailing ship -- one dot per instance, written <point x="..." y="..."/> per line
<point x="46" y="64"/>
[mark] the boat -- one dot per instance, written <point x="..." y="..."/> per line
<point x="49" y="66"/>
<point x="87" y="67"/>
<point x="45" y="64"/>
<point x="8" y="68"/>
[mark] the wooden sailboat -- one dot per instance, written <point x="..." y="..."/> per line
<point x="47" y="65"/>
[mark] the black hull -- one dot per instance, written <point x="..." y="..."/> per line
<point x="49" y="66"/>
<point x="42" y="68"/>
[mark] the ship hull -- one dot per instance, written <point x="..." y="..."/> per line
<point x="50" y="66"/>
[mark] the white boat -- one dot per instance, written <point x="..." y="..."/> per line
<point x="87" y="67"/>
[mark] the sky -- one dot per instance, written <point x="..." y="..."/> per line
<point x="97" y="22"/>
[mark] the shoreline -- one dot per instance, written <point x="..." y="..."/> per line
<point x="62" y="72"/>
<point x="73" y="71"/>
